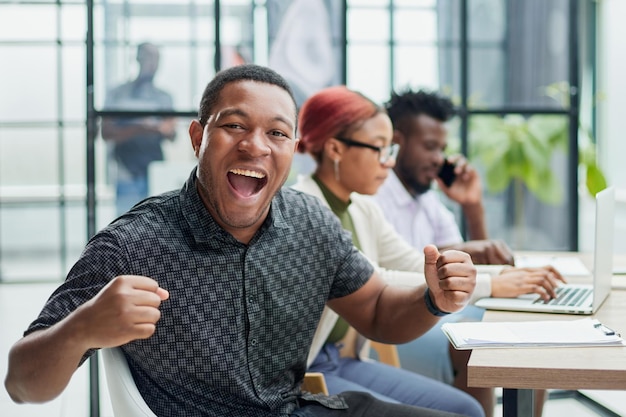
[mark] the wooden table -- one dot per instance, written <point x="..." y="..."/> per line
<point x="519" y="371"/>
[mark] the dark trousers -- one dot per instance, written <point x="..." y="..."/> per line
<point x="392" y="385"/>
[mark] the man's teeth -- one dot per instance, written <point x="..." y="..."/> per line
<point x="247" y="173"/>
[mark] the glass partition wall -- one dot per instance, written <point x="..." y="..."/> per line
<point x="500" y="60"/>
<point x="512" y="67"/>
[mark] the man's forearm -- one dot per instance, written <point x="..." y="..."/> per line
<point x="42" y="363"/>
<point x="113" y="132"/>
<point x="168" y="128"/>
<point x="475" y="218"/>
<point x="402" y="315"/>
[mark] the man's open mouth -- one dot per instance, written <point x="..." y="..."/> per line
<point x="246" y="182"/>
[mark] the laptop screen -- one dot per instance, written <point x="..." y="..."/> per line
<point x="603" y="246"/>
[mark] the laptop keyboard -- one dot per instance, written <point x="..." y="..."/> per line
<point x="568" y="296"/>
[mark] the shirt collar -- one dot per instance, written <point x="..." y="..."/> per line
<point x="398" y="193"/>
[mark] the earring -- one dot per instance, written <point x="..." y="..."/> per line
<point x="336" y="166"/>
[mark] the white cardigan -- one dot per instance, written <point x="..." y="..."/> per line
<point x="397" y="261"/>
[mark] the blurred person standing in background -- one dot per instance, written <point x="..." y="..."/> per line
<point x="136" y="141"/>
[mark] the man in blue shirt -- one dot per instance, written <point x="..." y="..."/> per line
<point x="214" y="292"/>
<point x="136" y="141"/>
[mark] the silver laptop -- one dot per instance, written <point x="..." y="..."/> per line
<point x="573" y="298"/>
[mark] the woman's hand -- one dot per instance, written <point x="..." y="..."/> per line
<point x="513" y="282"/>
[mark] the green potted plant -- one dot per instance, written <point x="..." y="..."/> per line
<point x="519" y="152"/>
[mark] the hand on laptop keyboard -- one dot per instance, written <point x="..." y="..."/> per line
<point x="513" y="282"/>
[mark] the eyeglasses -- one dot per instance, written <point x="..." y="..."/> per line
<point x="385" y="153"/>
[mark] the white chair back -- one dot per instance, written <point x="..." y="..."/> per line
<point x="125" y="397"/>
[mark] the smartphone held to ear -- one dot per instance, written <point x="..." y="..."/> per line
<point x="446" y="173"/>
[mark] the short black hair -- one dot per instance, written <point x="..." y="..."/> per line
<point x="249" y="72"/>
<point x="404" y="106"/>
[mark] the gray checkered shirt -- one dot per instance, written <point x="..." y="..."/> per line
<point x="234" y="335"/>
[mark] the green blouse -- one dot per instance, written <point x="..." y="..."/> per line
<point x="340" y="208"/>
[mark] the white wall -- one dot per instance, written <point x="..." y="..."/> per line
<point x="611" y="132"/>
<point x="612" y="86"/>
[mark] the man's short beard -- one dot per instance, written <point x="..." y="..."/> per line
<point x="418" y="188"/>
<point x="415" y="187"/>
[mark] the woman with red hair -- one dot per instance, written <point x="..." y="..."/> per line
<point x="349" y="136"/>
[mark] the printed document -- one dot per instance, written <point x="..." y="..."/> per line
<point x="557" y="333"/>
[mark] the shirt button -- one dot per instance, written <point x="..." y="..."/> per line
<point x="251" y="300"/>
<point x="253" y="342"/>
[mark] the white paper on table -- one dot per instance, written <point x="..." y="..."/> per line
<point x="557" y="333"/>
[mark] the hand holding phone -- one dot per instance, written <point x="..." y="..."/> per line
<point x="446" y="173"/>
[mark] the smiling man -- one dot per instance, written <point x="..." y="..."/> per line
<point x="419" y="119"/>
<point x="252" y="144"/>
<point x="213" y="292"/>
